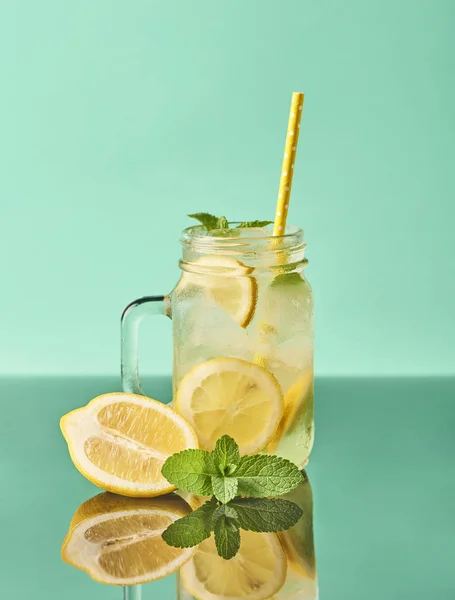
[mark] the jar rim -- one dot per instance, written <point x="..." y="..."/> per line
<point x="197" y="235"/>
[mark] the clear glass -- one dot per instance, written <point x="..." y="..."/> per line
<point x="243" y="340"/>
<point x="268" y="323"/>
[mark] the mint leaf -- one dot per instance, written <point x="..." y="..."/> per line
<point x="222" y="223"/>
<point x="262" y="475"/>
<point x="224" y="488"/>
<point x="247" y="224"/>
<point x="206" y="219"/>
<point x="227" y="537"/>
<point x="265" y="514"/>
<point x="226" y="455"/>
<point x="191" y="471"/>
<point x="191" y="529"/>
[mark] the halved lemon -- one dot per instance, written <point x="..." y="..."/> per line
<point x="295" y="401"/>
<point x="120" y="441"/>
<point x="117" y="540"/>
<point x="256" y="572"/>
<point x="230" y="286"/>
<point x="234" y="397"/>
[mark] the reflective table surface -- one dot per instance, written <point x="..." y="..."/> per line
<point x="382" y="475"/>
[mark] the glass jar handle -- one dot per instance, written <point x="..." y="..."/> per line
<point x="131" y="318"/>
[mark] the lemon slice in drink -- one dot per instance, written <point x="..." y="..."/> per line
<point x="230" y="286"/>
<point x="120" y="442"/>
<point x="117" y="540"/>
<point x="234" y="397"/>
<point x="295" y="401"/>
<point x="256" y="572"/>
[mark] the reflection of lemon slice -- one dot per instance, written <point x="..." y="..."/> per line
<point x="120" y="442"/>
<point x="298" y="541"/>
<point x="256" y="572"/>
<point x="295" y="401"/>
<point x="230" y="286"/>
<point x="234" y="397"/>
<point x="298" y="587"/>
<point x="118" y="541"/>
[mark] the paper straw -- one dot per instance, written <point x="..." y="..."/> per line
<point x="287" y="170"/>
<point x="284" y="194"/>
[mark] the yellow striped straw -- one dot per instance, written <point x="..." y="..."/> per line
<point x="284" y="194"/>
<point x="287" y="170"/>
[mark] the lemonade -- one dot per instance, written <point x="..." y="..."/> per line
<point x="244" y="296"/>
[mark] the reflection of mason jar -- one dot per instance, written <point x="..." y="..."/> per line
<point x="268" y="565"/>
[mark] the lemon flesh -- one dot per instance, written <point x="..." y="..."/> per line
<point x="233" y="397"/>
<point x="296" y="401"/>
<point x="120" y="441"/>
<point x="228" y="283"/>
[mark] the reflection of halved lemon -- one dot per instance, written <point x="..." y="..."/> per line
<point x="120" y="442"/>
<point x="118" y="541"/>
<point x="234" y="397"/>
<point x="256" y="572"/>
<point x="295" y="400"/>
<point x="230" y="286"/>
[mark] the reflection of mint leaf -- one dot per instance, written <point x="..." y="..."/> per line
<point x="251" y="514"/>
<point x="265" y="514"/>
<point x="262" y="475"/>
<point x="226" y="455"/>
<point x="227" y="510"/>
<point x="191" y="471"/>
<point x="227" y="537"/>
<point x="224" y="488"/>
<point x="207" y="220"/>
<point x="191" y="529"/>
<point x="247" y="224"/>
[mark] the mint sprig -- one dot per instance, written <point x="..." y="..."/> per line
<point x="261" y="475"/>
<point x="220" y="225"/>
<point x="226" y="455"/>
<point x="224" y="474"/>
<point x="247" y="224"/>
<point x="207" y="220"/>
<point x="191" y="471"/>
<point x="224" y="488"/>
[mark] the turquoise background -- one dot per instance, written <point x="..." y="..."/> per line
<point x="118" y="118"/>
